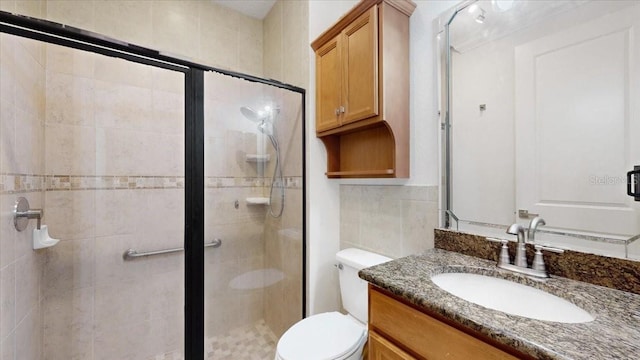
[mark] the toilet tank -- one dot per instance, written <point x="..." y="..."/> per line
<point x="353" y="290"/>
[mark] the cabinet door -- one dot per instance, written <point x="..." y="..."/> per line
<point x="381" y="349"/>
<point x="328" y="85"/>
<point x="360" y="67"/>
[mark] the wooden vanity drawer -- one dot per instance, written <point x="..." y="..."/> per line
<point x="423" y="335"/>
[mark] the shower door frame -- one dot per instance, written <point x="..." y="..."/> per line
<point x="194" y="184"/>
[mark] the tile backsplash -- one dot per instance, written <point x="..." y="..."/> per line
<point x="390" y="220"/>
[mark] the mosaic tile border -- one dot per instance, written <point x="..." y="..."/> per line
<point x="24" y="183"/>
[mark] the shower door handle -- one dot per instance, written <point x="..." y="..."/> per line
<point x="633" y="183"/>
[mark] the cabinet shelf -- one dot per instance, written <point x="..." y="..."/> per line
<point x="360" y="173"/>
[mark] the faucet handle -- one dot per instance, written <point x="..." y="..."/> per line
<point x="504" y="254"/>
<point x="538" y="260"/>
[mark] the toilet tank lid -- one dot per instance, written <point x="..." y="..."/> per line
<point x="360" y="259"/>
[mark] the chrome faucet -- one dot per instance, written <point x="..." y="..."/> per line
<point x="538" y="268"/>
<point x="533" y="226"/>
<point x="521" y="250"/>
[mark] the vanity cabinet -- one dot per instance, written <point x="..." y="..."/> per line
<point x="362" y="90"/>
<point x="400" y="331"/>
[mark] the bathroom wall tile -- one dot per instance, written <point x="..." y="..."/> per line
<point x="167" y="334"/>
<point x="121" y="20"/>
<point x="215" y="156"/>
<point x="176" y="27"/>
<point x="29" y="134"/>
<point x="159" y="217"/>
<point x="250" y="49"/>
<point x="8" y="5"/>
<point x="7" y="64"/>
<point x="27" y="287"/>
<point x="68" y="325"/>
<point x="70" y="214"/>
<point x="68" y="266"/>
<point x="122" y="72"/>
<point x="391" y="220"/>
<point x="123" y="106"/>
<point x="71" y="12"/>
<point x="350" y="213"/>
<point x="62" y="60"/>
<point x="139" y="153"/>
<point x="33" y="8"/>
<point x="120" y="303"/>
<point x="8" y="347"/>
<point x="7" y="231"/>
<point x="167" y="298"/>
<point x="29" y="336"/>
<point x="417" y="226"/>
<point x="294" y="40"/>
<point x="116" y="212"/>
<point x="70" y="150"/>
<point x="212" y="13"/>
<point x="166" y="80"/>
<point x="219" y="46"/>
<point x="7" y="137"/>
<point x="7" y="300"/>
<point x="128" y="341"/>
<point x="70" y="99"/>
<point x="167" y="113"/>
<point x="273" y="42"/>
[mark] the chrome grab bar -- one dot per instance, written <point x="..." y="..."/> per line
<point x="132" y="254"/>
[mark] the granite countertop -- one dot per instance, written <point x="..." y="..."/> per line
<point x="614" y="334"/>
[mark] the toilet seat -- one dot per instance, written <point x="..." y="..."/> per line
<point x="326" y="336"/>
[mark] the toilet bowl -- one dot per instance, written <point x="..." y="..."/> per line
<point x="332" y="335"/>
<point x="329" y="335"/>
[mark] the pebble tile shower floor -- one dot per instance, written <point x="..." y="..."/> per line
<point x="252" y="342"/>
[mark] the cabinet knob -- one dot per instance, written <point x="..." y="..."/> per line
<point x="342" y="109"/>
<point x="337" y="111"/>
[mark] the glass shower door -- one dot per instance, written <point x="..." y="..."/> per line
<point x="253" y="204"/>
<point x="97" y="143"/>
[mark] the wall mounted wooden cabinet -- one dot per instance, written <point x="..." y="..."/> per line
<point x="362" y="90"/>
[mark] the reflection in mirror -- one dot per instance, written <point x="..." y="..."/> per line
<point x="545" y="120"/>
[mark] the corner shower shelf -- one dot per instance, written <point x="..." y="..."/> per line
<point x="258" y="201"/>
<point x="257" y="158"/>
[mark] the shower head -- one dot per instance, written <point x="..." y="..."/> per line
<point x="255" y="116"/>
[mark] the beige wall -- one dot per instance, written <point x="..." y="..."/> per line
<point x="394" y="221"/>
<point x="286" y="59"/>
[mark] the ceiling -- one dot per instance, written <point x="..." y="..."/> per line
<point x="255" y="8"/>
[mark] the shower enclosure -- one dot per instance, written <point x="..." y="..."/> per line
<point x="181" y="223"/>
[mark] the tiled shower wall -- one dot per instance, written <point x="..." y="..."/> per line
<point x="394" y="221"/>
<point x="107" y="147"/>
<point x="22" y="109"/>
<point x="286" y="51"/>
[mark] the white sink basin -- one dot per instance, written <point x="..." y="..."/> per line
<point x="511" y="298"/>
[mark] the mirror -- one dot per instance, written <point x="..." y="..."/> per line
<point x="544" y="114"/>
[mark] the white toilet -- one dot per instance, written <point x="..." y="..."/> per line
<point x="332" y="335"/>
